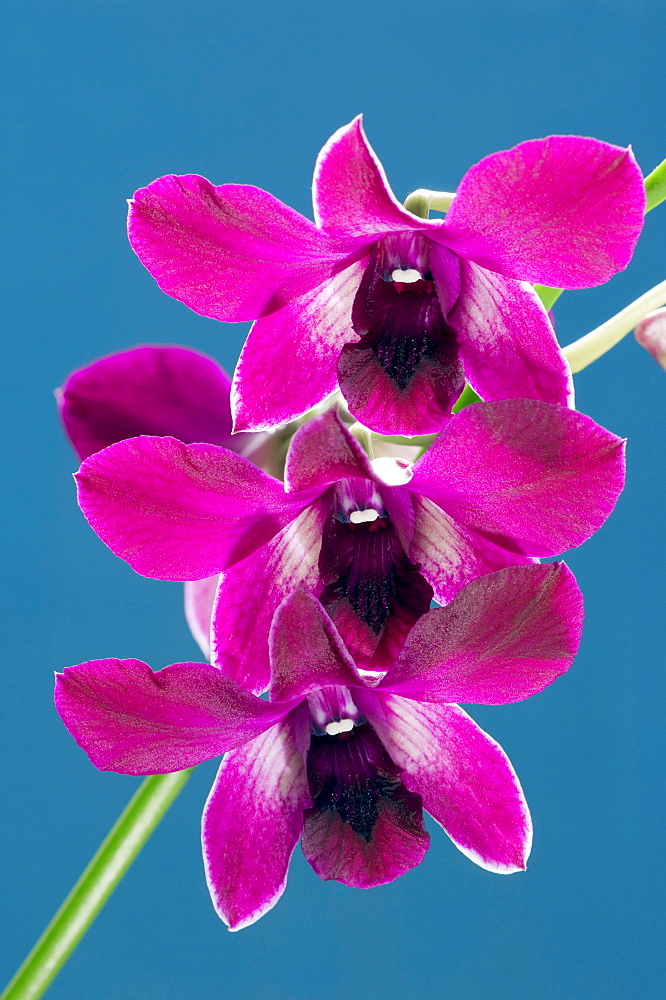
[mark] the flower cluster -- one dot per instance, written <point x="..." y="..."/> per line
<point x="349" y="597"/>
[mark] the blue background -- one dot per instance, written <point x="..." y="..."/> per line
<point x="98" y="99"/>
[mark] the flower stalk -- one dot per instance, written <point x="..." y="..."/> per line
<point x="121" y="846"/>
<point x="589" y="348"/>
<point x="422" y="202"/>
<point x="655" y="186"/>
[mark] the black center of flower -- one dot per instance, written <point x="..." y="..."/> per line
<point x="364" y="558"/>
<point x="408" y="328"/>
<point x="351" y="773"/>
<point x="400" y="354"/>
<point x="402" y="325"/>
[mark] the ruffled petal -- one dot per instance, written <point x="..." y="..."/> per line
<point x="165" y="391"/>
<point x="289" y="361"/>
<point x="449" y="555"/>
<point x="336" y="851"/>
<point x="250" y="591"/>
<point x="199" y="599"/>
<point x="564" y="211"/>
<point x="531" y="476"/>
<point x="350" y="192"/>
<point x="322" y="452"/>
<point x="378" y="401"/>
<point x="251" y="824"/>
<point x="177" y="511"/>
<point x="306" y="650"/>
<point x="506" y="342"/>
<point x="463" y="776"/>
<point x="232" y="252"/>
<point x="134" y="721"/>
<point x="503" y="638"/>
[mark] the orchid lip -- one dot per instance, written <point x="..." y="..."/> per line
<point x="352" y="774"/>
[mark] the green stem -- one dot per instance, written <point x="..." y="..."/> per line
<point x="593" y="345"/>
<point x="655" y="186"/>
<point x="115" y="855"/>
<point x="421" y="202"/>
<point x="548" y="296"/>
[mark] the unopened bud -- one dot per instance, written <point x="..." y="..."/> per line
<point x="651" y="334"/>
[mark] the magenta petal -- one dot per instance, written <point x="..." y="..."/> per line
<point x="378" y="402"/>
<point x="336" y="851"/>
<point x="651" y="334"/>
<point x="306" y="650"/>
<point x="180" y="512"/>
<point x="563" y="211"/>
<point x="165" y="391"/>
<point x="350" y="191"/>
<point x="503" y="638"/>
<point x="131" y="720"/>
<point x="322" y="452"/>
<point x="232" y="252"/>
<point x="532" y="476"/>
<point x="250" y="591"/>
<point x="251" y="824"/>
<point x="199" y="600"/>
<point x="463" y="776"/>
<point x="449" y="555"/>
<point x="507" y="345"/>
<point x="289" y="361"/>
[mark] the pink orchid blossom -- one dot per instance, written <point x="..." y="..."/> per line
<point x="651" y="334"/>
<point x="504" y="483"/>
<point x="154" y="390"/>
<point x="345" y="766"/>
<point x="396" y="310"/>
<point x="157" y="390"/>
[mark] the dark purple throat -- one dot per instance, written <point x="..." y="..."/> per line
<point x="351" y="774"/>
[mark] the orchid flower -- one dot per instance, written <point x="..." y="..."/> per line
<point x="504" y="482"/>
<point x="149" y="390"/>
<point x="651" y="334"/>
<point x="396" y="310"/>
<point x="157" y="390"/>
<point x="343" y="765"/>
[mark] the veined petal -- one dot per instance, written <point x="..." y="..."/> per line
<point x="364" y="827"/>
<point x="564" y="211"/>
<point x="250" y="591"/>
<point x="504" y="637"/>
<point x="148" y="390"/>
<point x="199" y="599"/>
<point x="534" y="477"/>
<point x="350" y="192"/>
<point x="251" y="824"/>
<point x="322" y="452"/>
<point x="306" y="650"/>
<point x="449" y="555"/>
<point x="232" y="252"/>
<point x="180" y="512"/>
<point x="289" y="361"/>
<point x="463" y="776"/>
<point x="422" y="407"/>
<point x="131" y="720"/>
<point x="506" y="342"/>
